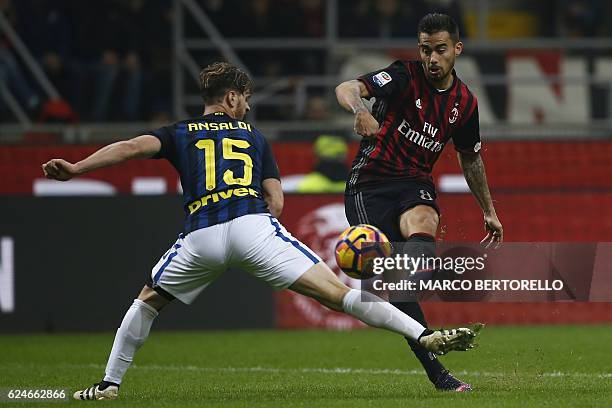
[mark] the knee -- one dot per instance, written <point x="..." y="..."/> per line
<point x="419" y="219"/>
<point x="428" y="222"/>
<point x="152" y="298"/>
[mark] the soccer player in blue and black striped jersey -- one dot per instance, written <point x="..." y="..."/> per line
<point x="232" y="198"/>
<point x="216" y="191"/>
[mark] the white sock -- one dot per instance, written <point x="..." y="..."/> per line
<point x="377" y="313"/>
<point x="132" y="333"/>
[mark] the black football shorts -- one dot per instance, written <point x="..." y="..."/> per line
<point x="382" y="205"/>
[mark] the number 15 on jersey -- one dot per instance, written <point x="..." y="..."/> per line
<point x="210" y="162"/>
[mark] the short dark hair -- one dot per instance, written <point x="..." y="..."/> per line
<point x="220" y="77"/>
<point x="436" y="22"/>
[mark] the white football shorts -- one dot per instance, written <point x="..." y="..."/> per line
<point x="256" y="243"/>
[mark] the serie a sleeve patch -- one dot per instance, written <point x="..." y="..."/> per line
<point x="381" y="79"/>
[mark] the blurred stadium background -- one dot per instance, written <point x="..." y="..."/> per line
<point x="78" y="74"/>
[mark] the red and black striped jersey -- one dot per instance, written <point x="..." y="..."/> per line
<point x="417" y="121"/>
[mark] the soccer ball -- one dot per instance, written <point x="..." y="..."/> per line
<point x="357" y="247"/>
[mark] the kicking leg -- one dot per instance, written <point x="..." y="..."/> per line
<point x="320" y="283"/>
<point x="418" y="226"/>
<point x="132" y="333"/>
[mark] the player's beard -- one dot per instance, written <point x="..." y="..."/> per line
<point x="441" y="75"/>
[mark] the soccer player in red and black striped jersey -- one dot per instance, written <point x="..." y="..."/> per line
<point x="420" y="106"/>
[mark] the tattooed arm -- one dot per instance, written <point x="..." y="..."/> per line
<point x="349" y="96"/>
<point x="474" y="172"/>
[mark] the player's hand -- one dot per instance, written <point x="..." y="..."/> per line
<point x="59" y="169"/>
<point x="495" y="231"/>
<point x="365" y="124"/>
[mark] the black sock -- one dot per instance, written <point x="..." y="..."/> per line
<point x="421" y="245"/>
<point x="428" y="360"/>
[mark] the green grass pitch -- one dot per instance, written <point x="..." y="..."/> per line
<point x="539" y="366"/>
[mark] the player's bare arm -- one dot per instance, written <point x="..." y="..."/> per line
<point x="273" y="194"/>
<point x="349" y="95"/>
<point x="475" y="175"/>
<point x="144" y="146"/>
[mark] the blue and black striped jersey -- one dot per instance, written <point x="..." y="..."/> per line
<point x="222" y="163"/>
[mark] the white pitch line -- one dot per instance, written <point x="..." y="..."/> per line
<point x="343" y="370"/>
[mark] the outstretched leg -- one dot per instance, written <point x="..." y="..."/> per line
<point x="320" y="283"/>
<point x="132" y="334"/>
